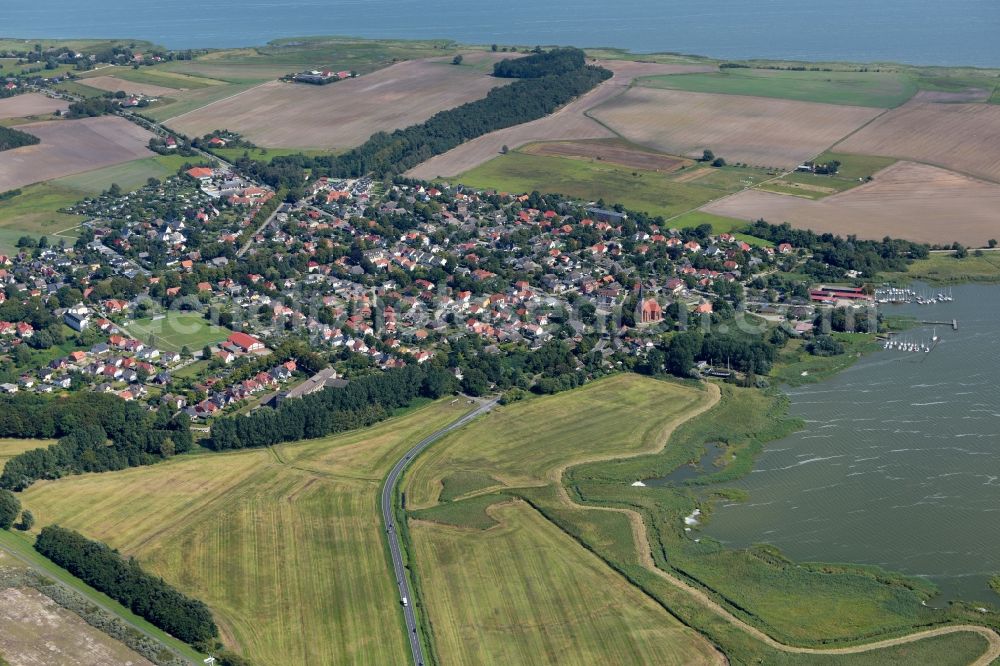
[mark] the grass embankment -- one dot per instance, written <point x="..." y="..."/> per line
<point x="946" y="268"/>
<point x="285" y="546"/>
<point x="525" y="446"/>
<point x="666" y="194"/>
<point x="177" y="330"/>
<point x="875" y="89"/>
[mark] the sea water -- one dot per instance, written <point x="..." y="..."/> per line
<point x="932" y="32"/>
<point x="899" y="461"/>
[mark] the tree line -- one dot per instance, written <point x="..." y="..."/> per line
<point x="124" y="581"/>
<point x="12" y="138"/>
<point x="550" y="79"/>
<point x="97" y="433"/>
<point x="364" y="401"/>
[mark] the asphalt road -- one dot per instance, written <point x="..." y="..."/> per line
<point x="395" y="547"/>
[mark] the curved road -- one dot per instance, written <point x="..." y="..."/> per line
<point x="388" y="519"/>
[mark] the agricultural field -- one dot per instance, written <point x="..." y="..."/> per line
<point x="30" y="104"/>
<point x="35" y="212"/>
<point x="875" y="89"/>
<point x="73" y="146"/>
<point x="108" y="83"/>
<point x="720" y="225"/>
<point x="613" y="151"/>
<point x="907" y="200"/>
<point x="176" y="330"/>
<point x="284" y="545"/>
<point x="655" y="192"/>
<point x="36" y="630"/>
<point x="524" y="591"/>
<point x="342" y="114"/>
<point x="11" y="447"/>
<point x="961" y="137"/>
<point x="621" y="415"/>
<point x="753" y="130"/>
<point x="854" y="170"/>
<point x="570" y="122"/>
<point x="128" y="175"/>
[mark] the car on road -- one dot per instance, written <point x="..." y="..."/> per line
<point x="405" y="602"/>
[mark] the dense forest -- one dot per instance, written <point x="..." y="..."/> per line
<point x="124" y="581"/>
<point x="548" y="84"/>
<point x="541" y="63"/>
<point x="85" y="423"/>
<point x="12" y="138"/>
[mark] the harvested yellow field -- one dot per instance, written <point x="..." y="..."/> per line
<point x="569" y="122"/>
<point x="284" y="545"/>
<point x="907" y="200"/>
<point x="962" y="137"/>
<point x="754" y="130"/>
<point x="342" y="114"/>
<point x="525" y="592"/>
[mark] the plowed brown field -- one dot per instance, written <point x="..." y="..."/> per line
<point x="907" y="200"/>
<point x="754" y="130"/>
<point x="342" y="114"/>
<point x="569" y="122"/>
<point x="31" y="104"/>
<point x="72" y="146"/>
<point x="963" y="137"/>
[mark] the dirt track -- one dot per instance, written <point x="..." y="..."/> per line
<point x="569" y="122"/>
<point x="646" y="558"/>
<point x="907" y="200"/>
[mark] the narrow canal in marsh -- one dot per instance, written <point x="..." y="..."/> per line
<point x="899" y="462"/>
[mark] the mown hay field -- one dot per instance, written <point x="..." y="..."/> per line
<point x="962" y="137"/>
<point x="527" y="444"/>
<point x="12" y="447"/>
<point x="114" y="84"/>
<point x="285" y="546"/>
<point x="907" y="200"/>
<point x="72" y="146"/>
<point x="753" y="130"/>
<point x="525" y="592"/>
<point x="31" y="104"/>
<point x="342" y="114"/>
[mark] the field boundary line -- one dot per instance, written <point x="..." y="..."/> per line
<point x="641" y="536"/>
<point x="218" y="101"/>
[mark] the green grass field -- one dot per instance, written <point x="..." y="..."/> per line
<point x="943" y="268"/>
<point x="525" y="592"/>
<point x="11" y="447"/>
<point x="156" y="75"/>
<point x="875" y="89"/>
<point x="128" y="175"/>
<point x="178" y="330"/>
<point x="263" y="154"/>
<point x="285" y="546"/>
<point x="649" y="191"/>
<point x="35" y="212"/>
<point x="720" y="224"/>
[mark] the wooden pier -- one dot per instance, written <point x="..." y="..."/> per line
<point x="953" y="323"/>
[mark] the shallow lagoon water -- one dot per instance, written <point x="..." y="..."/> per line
<point x="899" y="461"/>
<point x="931" y="32"/>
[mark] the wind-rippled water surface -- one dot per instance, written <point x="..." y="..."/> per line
<point x="899" y="462"/>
